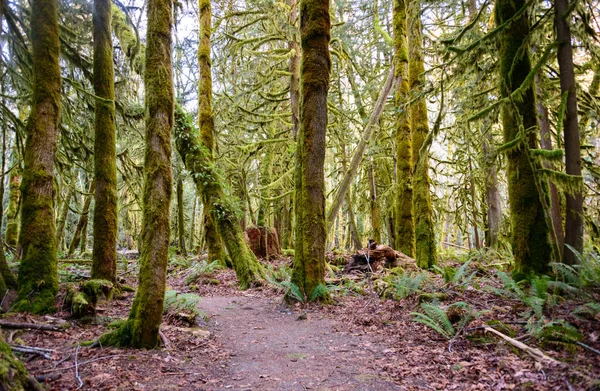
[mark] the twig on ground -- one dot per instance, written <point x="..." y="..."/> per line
<point x="31" y="326"/>
<point x="77" y="369"/>
<point x="533" y="352"/>
<point x="88" y="362"/>
<point x="588" y="347"/>
<point x="32" y="350"/>
<point x="165" y="340"/>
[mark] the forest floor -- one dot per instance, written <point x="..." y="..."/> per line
<point x="251" y="340"/>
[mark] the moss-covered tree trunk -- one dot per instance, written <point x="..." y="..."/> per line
<point x="530" y="236"/>
<point x="14" y="200"/>
<point x="214" y="241"/>
<point x="574" y="198"/>
<point x="104" y="253"/>
<point x="180" y="217"/>
<point x="404" y="224"/>
<point x="425" y="250"/>
<point x="374" y="205"/>
<point x="13" y="374"/>
<point x="294" y="69"/>
<point x="7" y="279"/>
<point x="192" y="239"/>
<point x="38" y="274"/>
<point x="81" y="228"/>
<point x="141" y="329"/>
<point x="309" y="247"/>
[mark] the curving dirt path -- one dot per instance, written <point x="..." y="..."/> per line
<point x="272" y="349"/>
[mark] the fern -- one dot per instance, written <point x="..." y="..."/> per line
<point x="293" y="290"/>
<point x="435" y="318"/>
<point x="558" y="333"/>
<point x="176" y="302"/>
<point x="202" y="268"/>
<point x="461" y="277"/>
<point x="319" y="292"/>
<point x="407" y="284"/>
<point x="589" y="310"/>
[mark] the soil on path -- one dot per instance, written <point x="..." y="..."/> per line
<point x="273" y="348"/>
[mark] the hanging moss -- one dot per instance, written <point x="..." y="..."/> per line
<point x="530" y="235"/>
<point x="404" y="223"/>
<point x="104" y="255"/>
<point x="130" y="43"/>
<point x="141" y="329"/>
<point x="425" y="249"/>
<point x="38" y="275"/>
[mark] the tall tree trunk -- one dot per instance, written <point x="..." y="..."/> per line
<point x="309" y="247"/>
<point x="530" y="236"/>
<point x="79" y="235"/>
<point x="404" y="224"/>
<point x="7" y="279"/>
<point x="574" y="197"/>
<point x="181" y="217"/>
<point x="38" y="273"/>
<point x="14" y="199"/>
<point x="192" y="238"/>
<point x="142" y="327"/>
<point x="104" y="253"/>
<point x="198" y="158"/>
<point x="374" y="204"/>
<point x="425" y="249"/>
<point x="546" y="143"/>
<point x="492" y="195"/>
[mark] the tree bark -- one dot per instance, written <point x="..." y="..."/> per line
<point x="404" y="224"/>
<point x="574" y="197"/>
<point x="104" y="253"/>
<point x="62" y="219"/>
<point x="530" y="236"/>
<point x="142" y="327"/>
<point x="425" y="248"/>
<point x="181" y="217"/>
<point x="38" y="273"/>
<point x="14" y="200"/>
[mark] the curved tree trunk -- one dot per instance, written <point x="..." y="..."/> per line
<point x="104" y="255"/>
<point x="309" y="255"/>
<point x="62" y="219"/>
<point x="141" y="329"/>
<point x="530" y="236"/>
<point x="425" y="249"/>
<point x="38" y="274"/>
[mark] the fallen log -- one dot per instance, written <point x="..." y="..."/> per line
<point x="369" y="259"/>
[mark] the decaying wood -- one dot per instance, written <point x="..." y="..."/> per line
<point x="165" y="341"/>
<point x="32" y="326"/>
<point x="32" y="350"/>
<point x="263" y="241"/>
<point x="374" y="255"/>
<point x="537" y="354"/>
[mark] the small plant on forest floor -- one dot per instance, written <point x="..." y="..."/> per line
<point x="589" y="311"/>
<point x="182" y="306"/>
<point x="447" y="322"/>
<point x="556" y="333"/>
<point x="457" y="277"/>
<point x="536" y="298"/>
<point x="407" y="284"/>
<point x="279" y="274"/>
<point x="180" y="262"/>
<point x="201" y="269"/>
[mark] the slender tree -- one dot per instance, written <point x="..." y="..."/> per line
<point x="142" y="327"/>
<point x="309" y="255"/>
<point x="180" y="217"/>
<point x="574" y="197"/>
<point x="530" y="236"/>
<point x="38" y="274"/>
<point x="104" y="255"/>
<point x="425" y="249"/>
<point x="14" y="199"/>
<point x="404" y="223"/>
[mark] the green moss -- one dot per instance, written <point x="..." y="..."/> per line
<point x="13" y="374"/>
<point x="104" y="254"/>
<point x="404" y="224"/>
<point x="129" y="41"/>
<point x="423" y="210"/>
<point x="530" y="235"/>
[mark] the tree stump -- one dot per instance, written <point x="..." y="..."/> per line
<point x="263" y="241"/>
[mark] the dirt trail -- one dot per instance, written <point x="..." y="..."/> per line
<point x="270" y="349"/>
